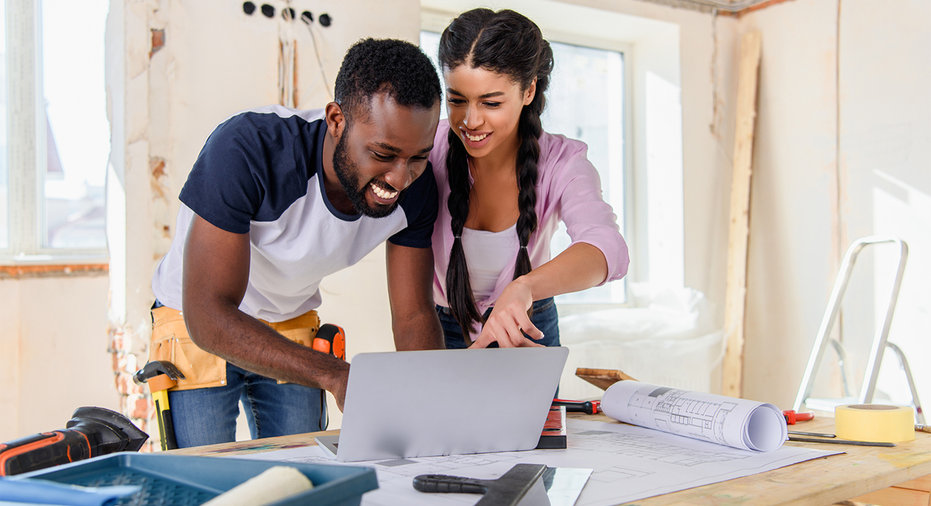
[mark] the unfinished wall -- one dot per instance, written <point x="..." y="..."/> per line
<point x="53" y="351"/>
<point x="179" y="68"/>
<point x="838" y="155"/>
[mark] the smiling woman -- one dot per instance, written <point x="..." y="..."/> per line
<point x="505" y="185"/>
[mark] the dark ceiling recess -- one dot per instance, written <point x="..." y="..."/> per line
<point x="268" y="10"/>
<point x="325" y="19"/>
<point x="248" y="7"/>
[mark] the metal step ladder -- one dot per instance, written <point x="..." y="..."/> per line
<point x="880" y="341"/>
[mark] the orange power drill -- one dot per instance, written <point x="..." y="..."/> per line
<point x="92" y="431"/>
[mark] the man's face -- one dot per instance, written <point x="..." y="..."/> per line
<point x="382" y="152"/>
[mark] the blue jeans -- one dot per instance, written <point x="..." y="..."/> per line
<point x="205" y="416"/>
<point x="544" y="318"/>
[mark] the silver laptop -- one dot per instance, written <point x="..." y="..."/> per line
<point x="446" y="402"/>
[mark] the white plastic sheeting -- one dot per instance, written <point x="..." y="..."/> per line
<point x="668" y="337"/>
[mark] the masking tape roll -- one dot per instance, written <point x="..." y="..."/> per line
<point x="875" y="423"/>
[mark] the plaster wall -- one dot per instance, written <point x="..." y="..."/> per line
<point x="216" y="60"/>
<point x="885" y="170"/>
<point x="53" y="355"/>
<point x="841" y="151"/>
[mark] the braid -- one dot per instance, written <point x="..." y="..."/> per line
<point x="458" y="286"/>
<point x="528" y="153"/>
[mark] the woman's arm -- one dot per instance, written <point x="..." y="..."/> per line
<point x="569" y="187"/>
<point x="579" y="267"/>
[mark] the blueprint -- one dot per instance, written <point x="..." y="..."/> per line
<point x="628" y="463"/>
<point x="740" y="423"/>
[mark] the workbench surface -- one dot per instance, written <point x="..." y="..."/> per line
<point x="824" y="481"/>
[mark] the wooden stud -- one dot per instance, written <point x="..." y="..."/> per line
<point x="738" y="236"/>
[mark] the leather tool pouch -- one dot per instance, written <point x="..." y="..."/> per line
<point x="300" y="329"/>
<point x="171" y="342"/>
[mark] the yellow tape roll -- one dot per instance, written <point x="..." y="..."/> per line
<point x="875" y="423"/>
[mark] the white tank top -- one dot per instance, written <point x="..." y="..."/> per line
<point x="487" y="255"/>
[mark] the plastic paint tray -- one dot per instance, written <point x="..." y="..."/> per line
<point x="181" y="480"/>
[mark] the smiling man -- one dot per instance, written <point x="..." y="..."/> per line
<point x="277" y="200"/>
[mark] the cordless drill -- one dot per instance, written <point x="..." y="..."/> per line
<point x="92" y="431"/>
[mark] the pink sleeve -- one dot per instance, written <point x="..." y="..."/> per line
<point x="575" y="193"/>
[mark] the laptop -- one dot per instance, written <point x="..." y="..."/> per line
<point x="445" y="402"/>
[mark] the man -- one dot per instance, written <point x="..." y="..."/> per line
<point x="277" y="200"/>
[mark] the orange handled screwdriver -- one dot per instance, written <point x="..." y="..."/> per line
<point x="792" y="416"/>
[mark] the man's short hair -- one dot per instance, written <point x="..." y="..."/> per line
<point x="386" y="65"/>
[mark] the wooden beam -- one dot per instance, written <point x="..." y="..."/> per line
<point x="738" y="236"/>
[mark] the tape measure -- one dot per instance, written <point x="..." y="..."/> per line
<point x="875" y="423"/>
<point x="331" y="339"/>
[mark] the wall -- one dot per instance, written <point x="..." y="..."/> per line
<point x="841" y="152"/>
<point x="53" y="351"/>
<point x="178" y="68"/>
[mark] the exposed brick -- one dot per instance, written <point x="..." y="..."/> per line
<point x="142" y="408"/>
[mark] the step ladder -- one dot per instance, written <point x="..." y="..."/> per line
<point x="880" y="340"/>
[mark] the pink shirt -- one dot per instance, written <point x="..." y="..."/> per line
<point x="568" y="190"/>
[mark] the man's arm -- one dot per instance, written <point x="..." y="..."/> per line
<point x="410" y="292"/>
<point x="216" y="274"/>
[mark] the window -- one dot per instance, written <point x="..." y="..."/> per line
<point x="585" y="101"/>
<point x="52" y="175"/>
<point x="4" y="171"/>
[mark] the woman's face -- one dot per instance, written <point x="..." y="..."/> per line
<point x="484" y="108"/>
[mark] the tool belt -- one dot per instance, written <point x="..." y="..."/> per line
<point x="171" y="342"/>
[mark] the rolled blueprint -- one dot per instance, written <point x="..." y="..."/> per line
<point x="729" y="421"/>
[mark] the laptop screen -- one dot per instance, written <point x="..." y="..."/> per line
<point x="447" y="402"/>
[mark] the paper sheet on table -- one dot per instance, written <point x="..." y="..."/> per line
<point x="629" y="463"/>
<point x="729" y="421"/>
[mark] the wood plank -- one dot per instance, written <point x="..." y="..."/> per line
<point x="895" y="496"/>
<point x="739" y="232"/>
<point x="923" y="483"/>
<point x="602" y="378"/>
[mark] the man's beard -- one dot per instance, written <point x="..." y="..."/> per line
<point x="346" y="172"/>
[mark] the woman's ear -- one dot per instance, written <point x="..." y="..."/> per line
<point x="335" y="120"/>
<point x="530" y="92"/>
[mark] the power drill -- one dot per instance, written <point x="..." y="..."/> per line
<point x="92" y="431"/>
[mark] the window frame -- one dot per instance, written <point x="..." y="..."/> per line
<point x="27" y="145"/>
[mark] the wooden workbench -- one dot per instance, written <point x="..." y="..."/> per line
<point x="862" y="474"/>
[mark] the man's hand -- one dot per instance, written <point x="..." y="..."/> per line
<point x="508" y="321"/>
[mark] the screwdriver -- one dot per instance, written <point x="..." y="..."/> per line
<point x="792" y="416"/>
<point x="588" y="407"/>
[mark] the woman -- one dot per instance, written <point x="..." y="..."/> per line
<point x="504" y="186"/>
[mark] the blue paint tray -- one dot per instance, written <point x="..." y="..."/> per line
<point x="182" y="480"/>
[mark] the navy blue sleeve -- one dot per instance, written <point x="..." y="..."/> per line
<point x="420" y="206"/>
<point x="252" y="167"/>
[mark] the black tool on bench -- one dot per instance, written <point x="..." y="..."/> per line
<point x="92" y="431"/>
<point x="508" y="490"/>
